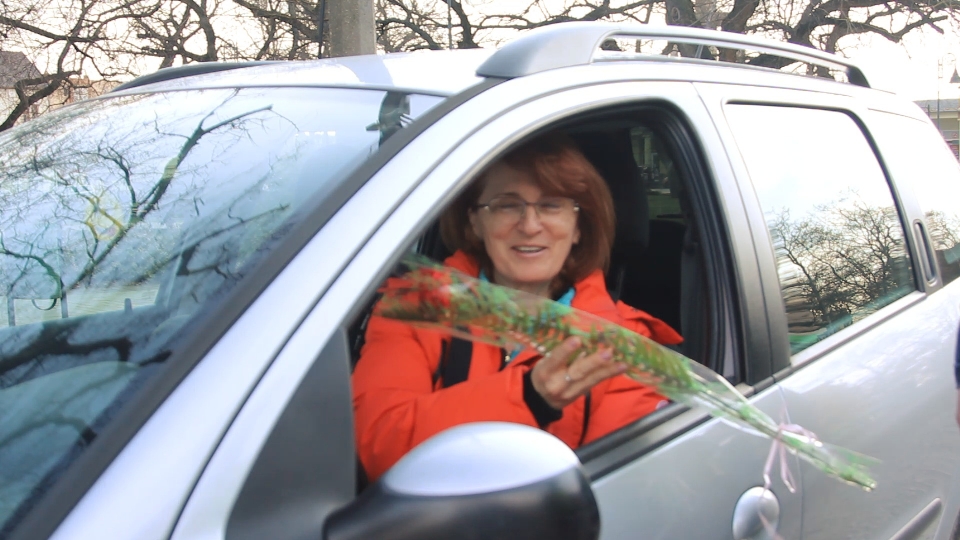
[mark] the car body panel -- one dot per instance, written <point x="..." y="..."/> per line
<point x="661" y="495"/>
<point x="884" y="368"/>
<point x="885" y="375"/>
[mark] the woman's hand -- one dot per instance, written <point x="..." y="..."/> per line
<point x="560" y="381"/>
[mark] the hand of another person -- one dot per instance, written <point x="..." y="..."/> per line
<point x="561" y="376"/>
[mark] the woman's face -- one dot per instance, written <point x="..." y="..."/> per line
<point x="527" y="250"/>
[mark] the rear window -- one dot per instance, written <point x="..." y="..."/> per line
<point x="920" y="160"/>
<point x="122" y="218"/>
<point x="837" y="233"/>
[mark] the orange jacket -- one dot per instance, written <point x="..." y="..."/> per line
<point x="397" y="405"/>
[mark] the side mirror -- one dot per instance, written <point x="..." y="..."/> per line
<point x="482" y="480"/>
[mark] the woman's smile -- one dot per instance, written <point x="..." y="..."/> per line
<point x="529" y="250"/>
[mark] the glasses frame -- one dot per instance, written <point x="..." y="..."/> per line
<point x="526" y="204"/>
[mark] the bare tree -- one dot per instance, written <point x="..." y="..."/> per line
<point x="285" y="29"/>
<point x="844" y="261"/>
<point x="117" y="39"/>
<point x="419" y="24"/>
<point x="176" y="30"/>
<point x="65" y="40"/>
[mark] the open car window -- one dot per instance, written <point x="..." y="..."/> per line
<point x="658" y="263"/>
<point x="124" y="220"/>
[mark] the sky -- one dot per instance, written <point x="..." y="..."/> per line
<point x="910" y="68"/>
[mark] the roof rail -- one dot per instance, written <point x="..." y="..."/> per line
<point x="199" y="68"/>
<point x="575" y="44"/>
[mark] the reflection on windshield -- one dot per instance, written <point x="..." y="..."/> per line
<point x="120" y="220"/>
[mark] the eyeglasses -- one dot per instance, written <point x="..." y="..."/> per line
<point x="509" y="209"/>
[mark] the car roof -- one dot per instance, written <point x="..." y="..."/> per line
<point x="441" y="73"/>
<point x="446" y="73"/>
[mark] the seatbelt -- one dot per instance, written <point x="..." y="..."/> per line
<point x="454" y="364"/>
<point x="454" y="368"/>
<point x="586" y="418"/>
<point x="693" y="316"/>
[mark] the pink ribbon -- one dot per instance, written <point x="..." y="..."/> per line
<point x="777" y="448"/>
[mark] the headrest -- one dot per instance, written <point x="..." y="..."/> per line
<point x="611" y="153"/>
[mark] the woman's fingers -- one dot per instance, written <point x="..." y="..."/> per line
<point x="584" y="373"/>
<point x="555" y="362"/>
<point x="561" y="376"/>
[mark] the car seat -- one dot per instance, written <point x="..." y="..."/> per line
<point x="611" y="153"/>
<point x="656" y="261"/>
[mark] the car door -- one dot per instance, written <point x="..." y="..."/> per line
<point x="865" y="343"/>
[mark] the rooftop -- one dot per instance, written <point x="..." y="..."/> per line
<point x="945" y="104"/>
<point x="15" y="66"/>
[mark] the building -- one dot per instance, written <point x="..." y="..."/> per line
<point x="944" y="115"/>
<point x="15" y="67"/>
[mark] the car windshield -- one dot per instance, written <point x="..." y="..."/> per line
<point x="121" y="217"/>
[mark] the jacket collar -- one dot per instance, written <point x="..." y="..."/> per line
<point x="590" y="292"/>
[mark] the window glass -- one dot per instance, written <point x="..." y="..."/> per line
<point x="659" y="176"/>
<point x="837" y="236"/>
<point x="123" y="219"/>
<point x="917" y="156"/>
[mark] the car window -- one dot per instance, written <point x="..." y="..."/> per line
<point x="934" y="179"/>
<point x="123" y="220"/>
<point x="838" y="238"/>
<point x="656" y="223"/>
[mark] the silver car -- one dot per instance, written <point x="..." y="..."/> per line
<point x="187" y="264"/>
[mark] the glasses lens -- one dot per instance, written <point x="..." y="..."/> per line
<point x="553" y="206"/>
<point x="507" y="206"/>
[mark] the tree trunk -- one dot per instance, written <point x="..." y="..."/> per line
<point x="351" y="27"/>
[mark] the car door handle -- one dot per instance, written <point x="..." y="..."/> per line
<point x="756" y="515"/>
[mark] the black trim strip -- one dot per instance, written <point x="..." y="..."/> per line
<point x="279" y="499"/>
<point x="916" y="526"/>
<point x="625" y="445"/>
<point x="189" y="70"/>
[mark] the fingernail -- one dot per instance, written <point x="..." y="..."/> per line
<point x="574" y="342"/>
<point x="606" y="354"/>
<point x="621" y="368"/>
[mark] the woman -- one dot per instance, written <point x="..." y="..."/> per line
<point x="539" y="220"/>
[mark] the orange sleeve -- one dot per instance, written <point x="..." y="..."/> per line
<point x="624" y="400"/>
<point x="394" y="402"/>
<point x="643" y="323"/>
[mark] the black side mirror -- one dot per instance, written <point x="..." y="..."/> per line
<point x="477" y="481"/>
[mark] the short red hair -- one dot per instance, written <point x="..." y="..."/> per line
<point x="559" y="168"/>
